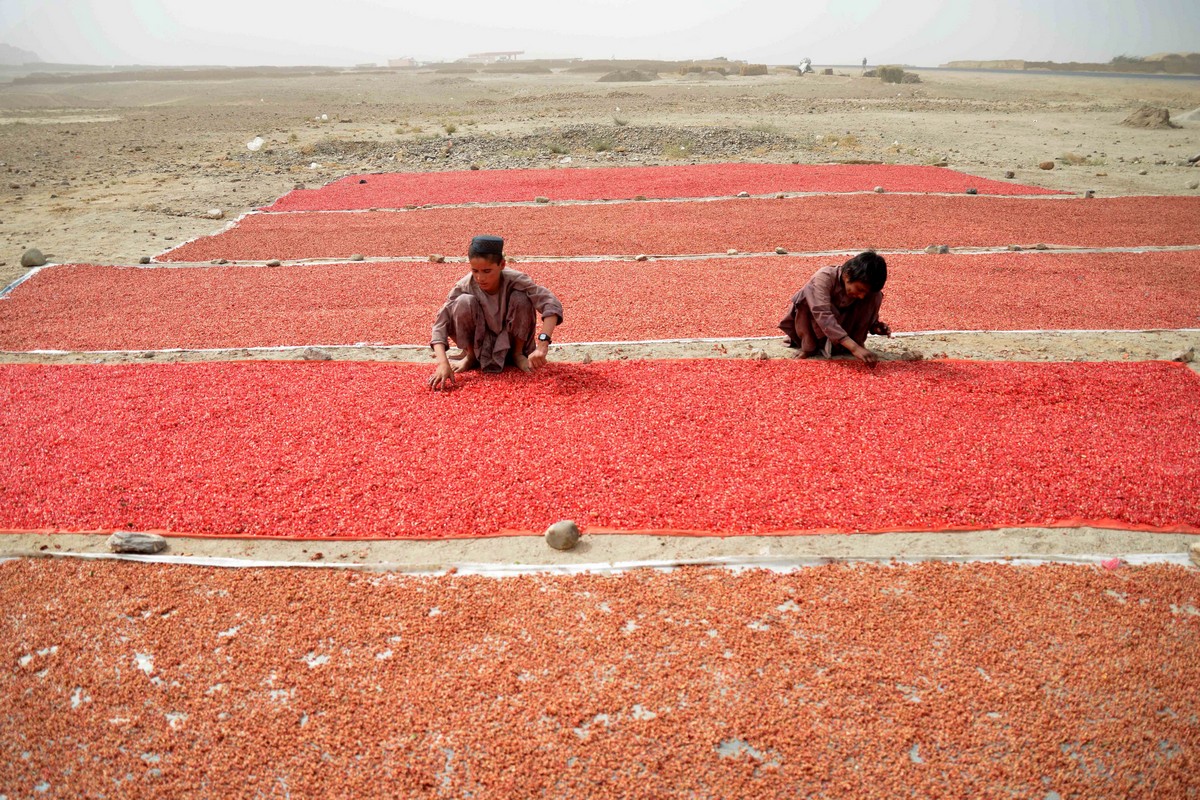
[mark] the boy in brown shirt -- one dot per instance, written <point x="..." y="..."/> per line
<point x="837" y="308"/>
<point x="490" y="315"/>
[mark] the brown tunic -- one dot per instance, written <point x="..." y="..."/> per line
<point x="822" y="314"/>
<point x="491" y="324"/>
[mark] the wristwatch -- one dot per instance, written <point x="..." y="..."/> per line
<point x="542" y="337"/>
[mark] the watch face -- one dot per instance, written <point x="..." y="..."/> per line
<point x="543" y="337"/>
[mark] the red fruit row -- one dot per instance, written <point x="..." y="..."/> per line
<point x="868" y="681"/>
<point x="730" y="447"/>
<point x="799" y="224"/>
<point x="113" y="308"/>
<point x="397" y="190"/>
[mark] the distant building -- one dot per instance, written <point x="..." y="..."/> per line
<point x="491" y="58"/>
<point x="405" y="61"/>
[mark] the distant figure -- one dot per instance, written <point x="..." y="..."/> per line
<point x="837" y="308"/>
<point x="864" y="66"/>
<point x="805" y="65"/>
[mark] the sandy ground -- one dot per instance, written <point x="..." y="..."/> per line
<point x="109" y="173"/>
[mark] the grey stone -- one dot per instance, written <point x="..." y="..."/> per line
<point x="1016" y="248"/>
<point x="937" y="249"/>
<point x="1041" y="246"/>
<point x="356" y="257"/>
<point x="314" y="354"/>
<point x="562" y="535"/>
<point x="437" y="258"/>
<point x="1089" y="194"/>
<point x="274" y="262"/>
<point x="879" y="190"/>
<point x="214" y="213"/>
<point x="1010" y="174"/>
<point x="1194" y="185"/>
<point x="1185" y="356"/>
<point x="32" y="258"/>
<point x="743" y="194"/>
<point x="642" y="257"/>
<point x="144" y="260"/>
<point x="782" y="251"/>
<point x="731" y="251"/>
<point x="972" y="190"/>
<point x="541" y="199"/>
<point x="136" y="542"/>
<point x="639" y="197"/>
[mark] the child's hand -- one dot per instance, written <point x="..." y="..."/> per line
<point x="443" y="377"/>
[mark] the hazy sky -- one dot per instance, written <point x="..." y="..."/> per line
<point x="342" y="32"/>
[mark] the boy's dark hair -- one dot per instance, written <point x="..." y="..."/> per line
<point x="489" y="248"/>
<point x="868" y="268"/>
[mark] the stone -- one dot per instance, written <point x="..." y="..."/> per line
<point x="1194" y="553"/>
<point x="1041" y="246"/>
<point x="1046" y="165"/>
<point x="541" y="199"/>
<point x="642" y="257"/>
<point x="356" y="257"/>
<point x="1010" y="174"/>
<point x="1185" y="356"/>
<point x="912" y="355"/>
<point x="562" y="535"/>
<point x="760" y="355"/>
<point x="1016" y="248"/>
<point x="1143" y="172"/>
<point x="937" y="249"/>
<point x="136" y="542"/>
<point x="879" y="190"/>
<point x="274" y="262"/>
<point x="474" y="167"/>
<point x="144" y="260"/>
<point x="731" y="251"/>
<point x="1194" y="159"/>
<point x="1089" y="194"/>
<point x="214" y="213"/>
<point x="33" y="258"/>
<point x="1194" y="185"/>
<point x="781" y="251"/>
<point x="743" y="194"/>
<point x="314" y="354"/>
<point x="972" y="190"/>
<point x="639" y="197"/>
<point x="437" y="258"/>
<point x="587" y="358"/>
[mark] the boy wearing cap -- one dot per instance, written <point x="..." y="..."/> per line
<point x="490" y="315"/>
<point x="837" y="308"/>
